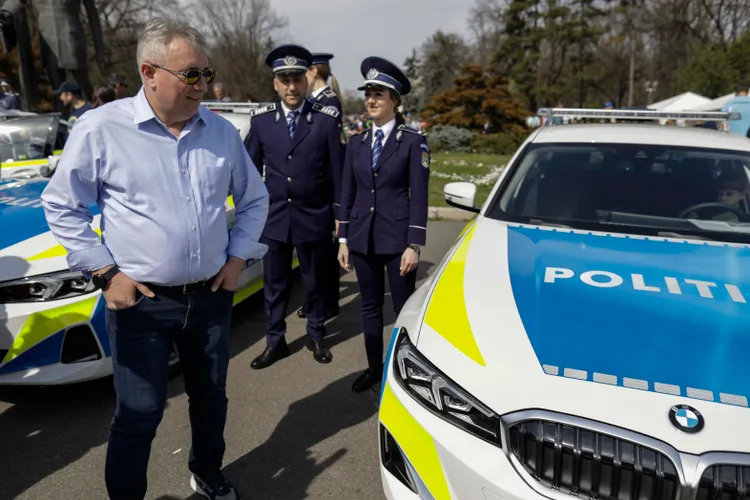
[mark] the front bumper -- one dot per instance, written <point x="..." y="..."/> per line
<point x="57" y="342"/>
<point x="442" y="461"/>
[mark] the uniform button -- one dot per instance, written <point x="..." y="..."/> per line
<point x="372" y="190"/>
<point x="289" y="157"/>
<point x="372" y="209"/>
<point x="289" y="179"/>
<point x="288" y="200"/>
<point x="375" y="174"/>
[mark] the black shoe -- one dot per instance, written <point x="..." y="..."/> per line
<point x="215" y="487"/>
<point x="320" y="352"/>
<point x="369" y="378"/>
<point x="301" y="313"/>
<point x="271" y="355"/>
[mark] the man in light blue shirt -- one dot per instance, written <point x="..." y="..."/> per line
<point x="740" y="103"/>
<point x="159" y="166"/>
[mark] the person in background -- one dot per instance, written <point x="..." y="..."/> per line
<point x="384" y="195"/>
<point x="740" y="103"/>
<point x="220" y="92"/>
<point x="102" y="95"/>
<point x="300" y="144"/>
<point x="167" y="264"/>
<point x="319" y="91"/>
<point x="120" y="85"/>
<point x="71" y="96"/>
<point x="8" y="98"/>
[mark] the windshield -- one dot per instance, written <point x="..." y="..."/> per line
<point x="29" y="138"/>
<point x="645" y="189"/>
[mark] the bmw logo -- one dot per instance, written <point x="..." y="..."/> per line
<point x="686" y="418"/>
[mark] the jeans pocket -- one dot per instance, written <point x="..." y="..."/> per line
<point x="138" y="300"/>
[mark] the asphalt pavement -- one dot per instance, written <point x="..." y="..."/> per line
<point x="294" y="431"/>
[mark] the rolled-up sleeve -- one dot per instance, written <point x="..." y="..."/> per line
<point x="73" y="188"/>
<point x="250" y="205"/>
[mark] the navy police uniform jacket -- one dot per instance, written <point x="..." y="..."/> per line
<point x="302" y="175"/>
<point x="384" y="209"/>
<point x="328" y="97"/>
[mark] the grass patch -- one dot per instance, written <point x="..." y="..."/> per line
<point x="453" y="167"/>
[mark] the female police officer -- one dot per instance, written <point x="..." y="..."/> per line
<point x="383" y="214"/>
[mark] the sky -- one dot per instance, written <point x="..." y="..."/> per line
<point x="352" y="30"/>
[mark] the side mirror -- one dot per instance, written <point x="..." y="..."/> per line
<point x="461" y="195"/>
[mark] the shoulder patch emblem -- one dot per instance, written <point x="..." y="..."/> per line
<point x="411" y="130"/>
<point x="426" y="159"/>
<point x="326" y="110"/>
<point x="343" y="135"/>
<point x="263" y="110"/>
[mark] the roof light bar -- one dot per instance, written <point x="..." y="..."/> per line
<point x="233" y="107"/>
<point x="640" y="114"/>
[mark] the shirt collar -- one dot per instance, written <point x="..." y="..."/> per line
<point x="387" y="128"/>
<point x="143" y="112"/>
<point x="286" y="110"/>
<point x="316" y="93"/>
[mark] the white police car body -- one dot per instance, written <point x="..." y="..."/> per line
<point x="52" y="321"/>
<point x="587" y="334"/>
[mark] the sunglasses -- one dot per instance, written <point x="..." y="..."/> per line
<point x="192" y="76"/>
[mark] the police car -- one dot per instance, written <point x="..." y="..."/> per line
<point x="52" y="326"/>
<point x="588" y="333"/>
<point x="30" y="143"/>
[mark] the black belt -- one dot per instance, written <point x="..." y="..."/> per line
<point x="186" y="289"/>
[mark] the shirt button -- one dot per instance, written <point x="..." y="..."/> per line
<point x="195" y="255"/>
<point x="188" y="198"/>
<point x="193" y="228"/>
<point x="183" y="170"/>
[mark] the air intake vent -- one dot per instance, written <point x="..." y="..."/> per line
<point x="591" y="464"/>
<point x="80" y="345"/>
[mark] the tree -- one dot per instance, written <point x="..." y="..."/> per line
<point x="441" y="57"/>
<point x="241" y="32"/>
<point x="476" y="98"/>
<point x="415" y="100"/>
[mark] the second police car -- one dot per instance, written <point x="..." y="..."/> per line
<point x="587" y="334"/>
<point x="52" y="328"/>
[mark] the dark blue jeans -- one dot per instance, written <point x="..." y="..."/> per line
<point x="142" y="337"/>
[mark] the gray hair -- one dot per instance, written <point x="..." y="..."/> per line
<point x="159" y="33"/>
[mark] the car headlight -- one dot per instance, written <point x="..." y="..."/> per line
<point x="443" y="397"/>
<point x="55" y="286"/>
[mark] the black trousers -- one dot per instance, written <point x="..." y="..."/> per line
<point x="371" y="271"/>
<point x="277" y="267"/>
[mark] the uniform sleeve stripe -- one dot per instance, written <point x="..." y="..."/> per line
<point x="419" y="227"/>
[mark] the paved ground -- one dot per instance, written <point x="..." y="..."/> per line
<point x="294" y="431"/>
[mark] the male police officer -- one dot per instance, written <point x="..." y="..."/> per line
<point x="300" y="145"/>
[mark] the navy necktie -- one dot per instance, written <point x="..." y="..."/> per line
<point x="292" y="123"/>
<point x="377" y="147"/>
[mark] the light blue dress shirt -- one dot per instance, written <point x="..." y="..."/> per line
<point x="162" y="198"/>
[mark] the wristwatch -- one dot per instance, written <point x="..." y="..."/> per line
<point x="100" y="280"/>
<point x="414" y="247"/>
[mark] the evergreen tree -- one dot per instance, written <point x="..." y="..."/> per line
<point x="476" y="98"/>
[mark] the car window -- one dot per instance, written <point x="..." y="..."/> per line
<point x="638" y="186"/>
<point x="27" y="138"/>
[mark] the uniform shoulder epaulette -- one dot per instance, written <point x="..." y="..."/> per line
<point x="412" y="130"/>
<point x="263" y="110"/>
<point x="329" y="93"/>
<point x="326" y="110"/>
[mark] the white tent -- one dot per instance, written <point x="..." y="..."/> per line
<point x="714" y="105"/>
<point x="683" y="102"/>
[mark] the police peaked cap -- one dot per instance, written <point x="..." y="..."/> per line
<point x="321" y="58"/>
<point x="289" y="59"/>
<point x="381" y="72"/>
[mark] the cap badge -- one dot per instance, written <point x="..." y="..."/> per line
<point x="372" y="74"/>
<point x="290" y="60"/>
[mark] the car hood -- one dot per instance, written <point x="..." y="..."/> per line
<point x="27" y="247"/>
<point x="608" y="327"/>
